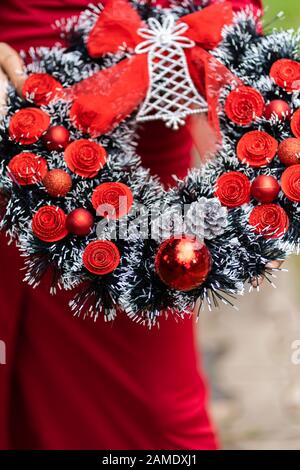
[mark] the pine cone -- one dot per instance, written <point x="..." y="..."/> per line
<point x="206" y="218"/>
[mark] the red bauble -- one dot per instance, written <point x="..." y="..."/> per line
<point x="279" y="109"/>
<point x="56" y="138"/>
<point x="265" y="188"/>
<point x="289" y="151"/>
<point x="80" y="222"/>
<point x="183" y="263"/>
<point x="57" y="183"/>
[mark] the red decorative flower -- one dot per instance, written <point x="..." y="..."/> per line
<point x="286" y="74"/>
<point x="27" y="168"/>
<point x="49" y="224"/>
<point x="233" y="189"/>
<point x="41" y="88"/>
<point x="295" y="124"/>
<point x="101" y="257"/>
<point x="112" y="200"/>
<point x="257" y="148"/>
<point x="85" y="158"/>
<point x="270" y="220"/>
<point x="27" y="125"/>
<point x="290" y="183"/>
<point x="243" y="105"/>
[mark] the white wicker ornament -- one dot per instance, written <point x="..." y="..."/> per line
<point x="172" y="95"/>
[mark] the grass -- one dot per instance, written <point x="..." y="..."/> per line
<point x="291" y="9"/>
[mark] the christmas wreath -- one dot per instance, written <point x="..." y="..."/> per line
<point x="75" y="197"/>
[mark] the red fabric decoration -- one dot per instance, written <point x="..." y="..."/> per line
<point x="270" y="220"/>
<point x="183" y="264"/>
<point x="27" y="125"/>
<point x="289" y="151"/>
<point x="27" y="168"/>
<point x="279" y="109"/>
<point x="41" y="88"/>
<point x="233" y="189"/>
<point x="286" y="74"/>
<point x="80" y="222"/>
<point x="295" y="124"/>
<point x="112" y="200"/>
<point x="101" y="257"/>
<point x="265" y="188"/>
<point x="256" y="148"/>
<point x="49" y="224"/>
<point x="290" y="183"/>
<point x="85" y="158"/>
<point x="56" y="138"/>
<point x="102" y="101"/>
<point x="243" y="105"/>
<point x="57" y="182"/>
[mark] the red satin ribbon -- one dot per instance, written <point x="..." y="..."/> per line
<point x="109" y="96"/>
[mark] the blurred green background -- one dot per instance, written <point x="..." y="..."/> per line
<point x="291" y="9"/>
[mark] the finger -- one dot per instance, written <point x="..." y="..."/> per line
<point x="274" y="264"/>
<point x="13" y="66"/>
<point x="3" y="93"/>
<point x="257" y="281"/>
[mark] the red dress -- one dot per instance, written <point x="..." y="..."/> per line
<point x="71" y="383"/>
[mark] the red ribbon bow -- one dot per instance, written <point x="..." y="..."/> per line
<point x="109" y="96"/>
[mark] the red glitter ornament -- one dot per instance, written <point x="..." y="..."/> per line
<point x="265" y="188"/>
<point x="295" y="124"/>
<point x="56" y="138"/>
<point x="57" y="182"/>
<point x="112" y="200"/>
<point x="101" y="257"/>
<point x="269" y="220"/>
<point x="183" y="264"/>
<point x="289" y="151"/>
<point x="279" y="109"/>
<point x="49" y="224"/>
<point x="80" y="222"/>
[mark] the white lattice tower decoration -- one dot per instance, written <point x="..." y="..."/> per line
<point x="172" y="95"/>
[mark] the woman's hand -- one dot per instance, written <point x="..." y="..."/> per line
<point x="11" y="69"/>
<point x="256" y="282"/>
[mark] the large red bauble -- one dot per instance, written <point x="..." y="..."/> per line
<point x="80" y="222"/>
<point x="278" y="108"/>
<point x="57" y="182"/>
<point x="265" y="188"/>
<point x="183" y="263"/>
<point x="56" y="138"/>
<point x="289" y="151"/>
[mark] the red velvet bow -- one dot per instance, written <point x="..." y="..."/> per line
<point x="109" y="96"/>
